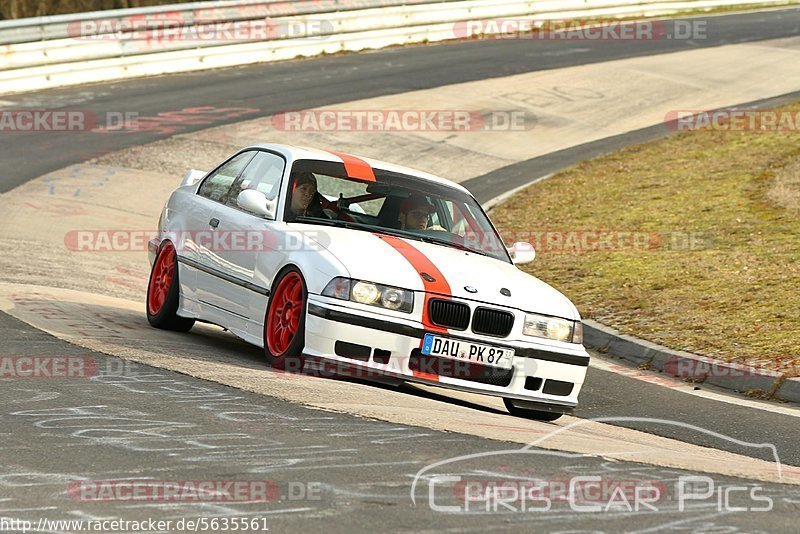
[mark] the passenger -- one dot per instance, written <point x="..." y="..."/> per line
<point x="415" y="212"/>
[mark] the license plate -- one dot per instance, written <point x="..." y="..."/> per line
<point x="456" y="349"/>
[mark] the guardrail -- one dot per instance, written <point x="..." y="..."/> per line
<point x="58" y="27"/>
<point x="64" y="50"/>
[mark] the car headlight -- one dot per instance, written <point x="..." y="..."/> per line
<point x="391" y="298"/>
<point x="553" y="328"/>
<point x="365" y="292"/>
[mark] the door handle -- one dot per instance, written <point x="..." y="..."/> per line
<point x="213" y="223"/>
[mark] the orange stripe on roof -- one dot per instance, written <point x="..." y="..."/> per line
<point x="356" y="167"/>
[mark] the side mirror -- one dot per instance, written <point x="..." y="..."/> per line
<point x="192" y="176"/>
<point x="522" y="252"/>
<point x="256" y="202"/>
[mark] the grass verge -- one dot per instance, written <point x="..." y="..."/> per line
<point x="715" y="269"/>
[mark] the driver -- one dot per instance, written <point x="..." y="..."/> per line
<point x="305" y="199"/>
<point x="414" y="213"/>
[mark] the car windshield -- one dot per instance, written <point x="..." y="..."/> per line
<point x="396" y="204"/>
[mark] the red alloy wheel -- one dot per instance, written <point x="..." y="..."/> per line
<point x="161" y="279"/>
<point x="283" y="322"/>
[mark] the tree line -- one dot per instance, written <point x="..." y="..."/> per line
<point x="18" y="9"/>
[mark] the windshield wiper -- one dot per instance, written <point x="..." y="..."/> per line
<point x="453" y="244"/>
<point x="314" y="220"/>
<point x="351" y="225"/>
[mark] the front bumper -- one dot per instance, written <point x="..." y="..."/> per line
<point x="380" y="345"/>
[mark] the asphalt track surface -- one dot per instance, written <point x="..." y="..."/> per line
<point x="374" y="489"/>
<point x="279" y="87"/>
<point x="325" y="471"/>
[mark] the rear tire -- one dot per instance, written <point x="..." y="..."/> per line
<point x="530" y="414"/>
<point x="285" y="321"/>
<point x="163" y="292"/>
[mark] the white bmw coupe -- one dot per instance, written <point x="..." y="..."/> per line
<point x="320" y="255"/>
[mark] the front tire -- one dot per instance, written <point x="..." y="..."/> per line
<point x="163" y="292"/>
<point x="285" y="321"/>
<point x="538" y="415"/>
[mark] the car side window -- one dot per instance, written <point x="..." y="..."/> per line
<point x="217" y="186"/>
<point x="263" y="174"/>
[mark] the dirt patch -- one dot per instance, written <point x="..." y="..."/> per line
<point x="785" y="188"/>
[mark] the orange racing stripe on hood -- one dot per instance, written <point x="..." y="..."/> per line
<point x="432" y="278"/>
<point x="433" y="281"/>
<point x="421" y="264"/>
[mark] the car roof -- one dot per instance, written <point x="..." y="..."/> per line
<point x="300" y="152"/>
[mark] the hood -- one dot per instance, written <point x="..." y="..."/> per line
<point x="370" y="257"/>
